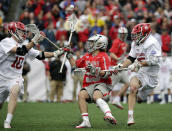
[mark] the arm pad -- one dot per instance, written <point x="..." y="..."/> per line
<point x="41" y="56"/>
<point x="21" y="50"/>
<point x="132" y="59"/>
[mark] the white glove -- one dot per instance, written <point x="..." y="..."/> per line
<point x="135" y="67"/>
<point x="58" y="53"/>
<point x="38" y="37"/>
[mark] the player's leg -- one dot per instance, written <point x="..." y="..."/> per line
<point x="14" y="91"/>
<point x="75" y="82"/>
<point x="169" y="95"/>
<point x="98" y="96"/>
<point x="59" y="90"/>
<point x="53" y="90"/>
<point x="134" y="86"/>
<point x="82" y="97"/>
<point x="25" y="96"/>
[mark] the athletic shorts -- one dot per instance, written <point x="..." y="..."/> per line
<point x="6" y="85"/>
<point x="105" y="90"/>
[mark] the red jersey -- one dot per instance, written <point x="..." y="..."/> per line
<point x="118" y="48"/>
<point x="100" y="60"/>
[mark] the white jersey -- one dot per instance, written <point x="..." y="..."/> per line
<point x="11" y="65"/>
<point x="144" y="51"/>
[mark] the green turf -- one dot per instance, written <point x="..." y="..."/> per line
<point x="64" y="117"/>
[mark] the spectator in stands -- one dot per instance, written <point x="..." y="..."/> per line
<point x="60" y="30"/>
<point x="57" y="79"/>
<point x="49" y="32"/>
<point x="26" y="70"/>
<point x="166" y="45"/>
<point x="155" y="34"/>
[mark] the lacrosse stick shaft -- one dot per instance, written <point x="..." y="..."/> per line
<point x="52" y="43"/>
<point x="64" y="58"/>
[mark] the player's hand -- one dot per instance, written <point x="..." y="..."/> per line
<point x="92" y="70"/>
<point x="38" y="37"/>
<point x="69" y="52"/>
<point x="58" y="53"/>
<point x="135" y="67"/>
<point x="116" y="69"/>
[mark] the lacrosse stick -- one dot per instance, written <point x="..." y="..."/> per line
<point x="34" y="29"/>
<point x="72" y="22"/>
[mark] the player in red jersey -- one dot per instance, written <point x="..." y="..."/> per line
<point x="118" y="53"/>
<point x="96" y="82"/>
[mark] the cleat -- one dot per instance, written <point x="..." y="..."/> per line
<point x="6" y="125"/>
<point x="162" y="102"/>
<point x="110" y="119"/>
<point x="117" y="104"/>
<point x="84" y="124"/>
<point x="130" y="120"/>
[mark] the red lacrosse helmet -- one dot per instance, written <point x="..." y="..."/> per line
<point x="18" y="30"/>
<point x="140" y="32"/>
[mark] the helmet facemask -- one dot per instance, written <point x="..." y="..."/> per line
<point x="20" y="35"/>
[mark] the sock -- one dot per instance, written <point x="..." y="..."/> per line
<point x="148" y="99"/>
<point x="125" y="99"/>
<point x="169" y="98"/>
<point x="130" y="112"/>
<point x="117" y="98"/>
<point x="104" y="107"/>
<point x="85" y="116"/>
<point x="163" y="96"/>
<point x="9" y="118"/>
<point x="152" y="98"/>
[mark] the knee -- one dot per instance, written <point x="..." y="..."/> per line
<point x="15" y="91"/>
<point x="82" y="95"/>
<point x="97" y="94"/>
<point x="133" y="89"/>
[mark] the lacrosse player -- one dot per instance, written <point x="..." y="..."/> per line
<point x="164" y="78"/>
<point x="96" y="82"/>
<point x="118" y="53"/>
<point x="12" y="57"/>
<point x="147" y="50"/>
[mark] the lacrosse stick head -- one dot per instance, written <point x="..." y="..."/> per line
<point x="72" y="20"/>
<point x="32" y="28"/>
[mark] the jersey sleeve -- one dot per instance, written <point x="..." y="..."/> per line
<point x="80" y="63"/>
<point x="33" y="53"/>
<point x="6" y="45"/>
<point x="132" y="51"/>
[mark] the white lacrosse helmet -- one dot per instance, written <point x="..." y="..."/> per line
<point x="97" y="42"/>
<point x="122" y="33"/>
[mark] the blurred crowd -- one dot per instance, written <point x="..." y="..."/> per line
<point x="95" y="16"/>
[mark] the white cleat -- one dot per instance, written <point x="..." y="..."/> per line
<point x="110" y="119"/>
<point x="130" y="120"/>
<point x="162" y="102"/>
<point x="6" y="125"/>
<point x="117" y="104"/>
<point x="84" y="124"/>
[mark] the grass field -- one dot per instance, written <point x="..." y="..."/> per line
<point x="64" y="117"/>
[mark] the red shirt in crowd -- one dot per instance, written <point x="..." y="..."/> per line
<point x="118" y="48"/>
<point x="113" y="33"/>
<point x="60" y="33"/>
<point x="100" y="60"/>
<point x="166" y="42"/>
<point x="83" y="35"/>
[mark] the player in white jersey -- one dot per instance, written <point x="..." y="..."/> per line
<point x="146" y="49"/>
<point x="12" y="57"/>
<point x="164" y="78"/>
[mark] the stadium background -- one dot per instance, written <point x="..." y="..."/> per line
<point x="95" y="16"/>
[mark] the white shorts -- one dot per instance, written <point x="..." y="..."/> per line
<point x="148" y="84"/>
<point x="164" y="82"/>
<point x="6" y="85"/>
<point x="105" y="90"/>
<point x="122" y="77"/>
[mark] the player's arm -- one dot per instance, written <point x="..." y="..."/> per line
<point x="25" y="48"/>
<point x="114" y="57"/>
